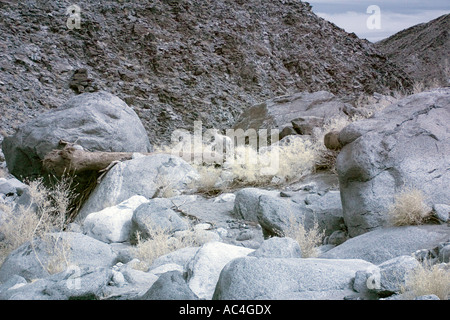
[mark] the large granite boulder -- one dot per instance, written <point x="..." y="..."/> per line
<point x="382" y="244"/>
<point x="152" y="176"/>
<point x="406" y="144"/>
<point x="250" y="278"/>
<point x="96" y="121"/>
<point x="38" y="259"/>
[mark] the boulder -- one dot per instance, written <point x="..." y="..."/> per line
<point x="444" y="253"/>
<point x="278" y="248"/>
<point x="428" y="297"/>
<point x="33" y="261"/>
<point x="113" y="224"/>
<point x="156" y="214"/>
<point x="14" y="193"/>
<point x="274" y="211"/>
<point x="331" y="140"/>
<point x="204" y="269"/>
<point x="303" y="111"/>
<point x="170" y="286"/>
<point x="386" y="279"/>
<point x="275" y="214"/>
<point x="306" y="124"/>
<point x="442" y="212"/>
<point x="287" y="131"/>
<point x="251" y="278"/>
<point x="181" y="257"/>
<point x="222" y="220"/>
<point x="246" y="202"/>
<point x="75" y="283"/>
<point x="326" y="207"/>
<point x="11" y="186"/>
<point x="337" y="237"/>
<point x="148" y="176"/>
<point x="168" y="267"/>
<point x="27" y="291"/>
<point x="394" y="273"/>
<point x="78" y="283"/>
<point x="14" y="282"/>
<point x="128" y="283"/>
<point x="200" y="234"/>
<point x="387" y="243"/>
<point x="406" y="144"/>
<point x="96" y="121"/>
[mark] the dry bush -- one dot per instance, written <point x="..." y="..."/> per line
<point x="428" y="279"/>
<point x="146" y="251"/>
<point x="296" y="159"/>
<point x="210" y="178"/>
<point x="247" y="166"/>
<point x="46" y="213"/>
<point x="308" y="240"/>
<point x="16" y="228"/>
<point x="409" y="208"/>
<point x="162" y="241"/>
<point x="277" y="164"/>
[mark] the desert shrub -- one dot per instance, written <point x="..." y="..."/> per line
<point x="279" y="163"/>
<point x="247" y="166"/>
<point x="46" y="213"/>
<point x="146" y="251"/>
<point x="16" y="228"/>
<point x="209" y="178"/>
<point x="409" y="208"/>
<point x="428" y="279"/>
<point x="162" y="241"/>
<point x="308" y="240"/>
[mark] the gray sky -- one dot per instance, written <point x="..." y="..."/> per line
<point x="395" y="15"/>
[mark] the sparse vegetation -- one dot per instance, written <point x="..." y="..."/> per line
<point x="308" y="240"/>
<point x="409" y="208"/>
<point x="428" y="279"/>
<point x="276" y="164"/>
<point x="45" y="213"/>
<point x="162" y="242"/>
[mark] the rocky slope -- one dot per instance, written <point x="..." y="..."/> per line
<point x="422" y="50"/>
<point x="178" y="61"/>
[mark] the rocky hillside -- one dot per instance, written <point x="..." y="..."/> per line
<point x="422" y="50"/>
<point x="178" y="61"/>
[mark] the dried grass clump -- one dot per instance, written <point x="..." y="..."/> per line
<point x="16" y="228"/>
<point x="246" y="166"/>
<point x="46" y="213"/>
<point x="428" y="279"/>
<point x="162" y="241"/>
<point x="147" y="250"/>
<point x="308" y="240"/>
<point x="409" y="208"/>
